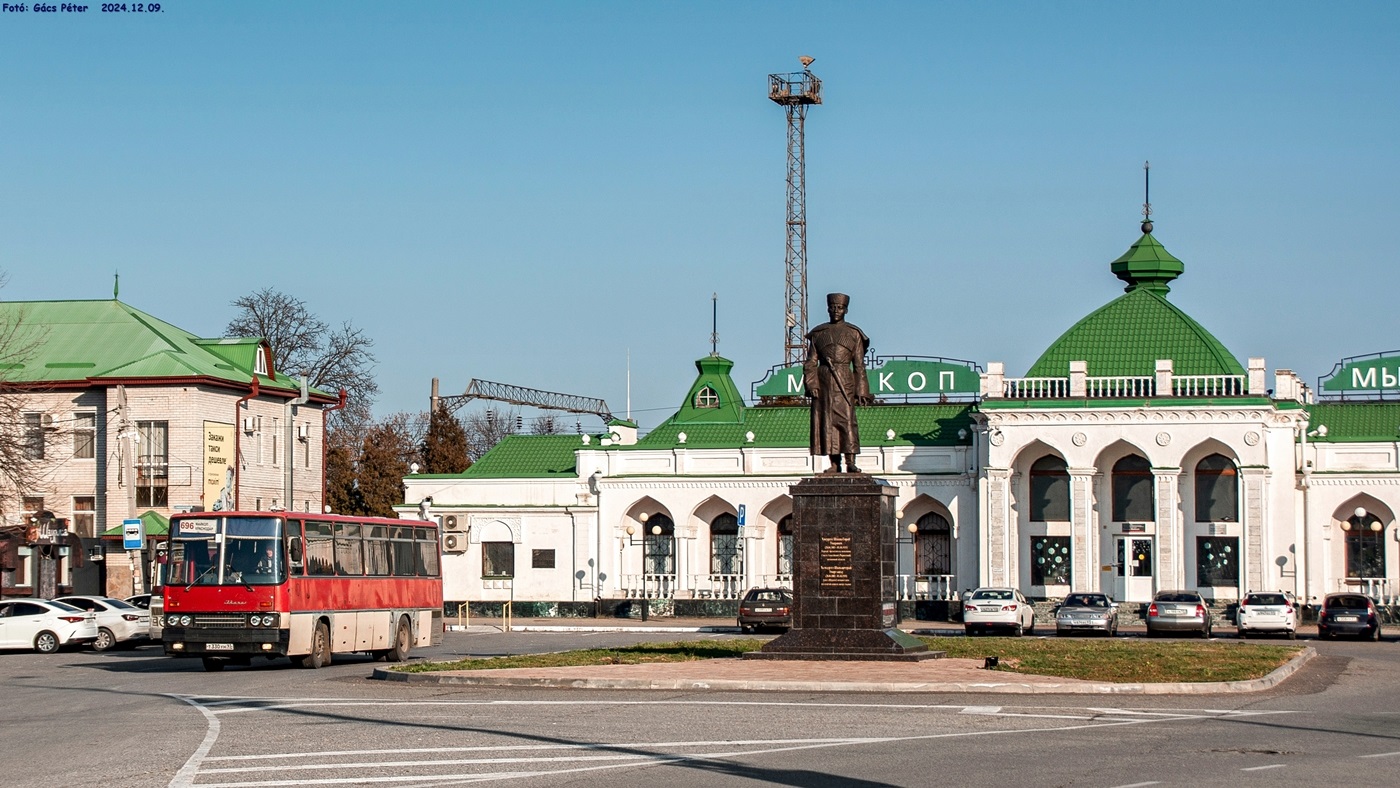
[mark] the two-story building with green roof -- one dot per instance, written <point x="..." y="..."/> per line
<point x="125" y="416"/>
<point x="1136" y="454"/>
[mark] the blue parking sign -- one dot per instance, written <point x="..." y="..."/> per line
<point x="133" y="534"/>
<point x="742" y="513"/>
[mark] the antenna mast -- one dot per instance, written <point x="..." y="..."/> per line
<point x="795" y="92"/>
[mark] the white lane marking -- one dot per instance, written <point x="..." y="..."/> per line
<point x="1138" y="785"/>
<point x="520" y="747"/>
<point x="1379" y="755"/>
<point x="1262" y="768"/>
<point x="981" y="710"/>
<point x="185" y="777"/>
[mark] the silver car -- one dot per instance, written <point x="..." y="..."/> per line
<point x="1178" y="611"/>
<point x="1087" y="613"/>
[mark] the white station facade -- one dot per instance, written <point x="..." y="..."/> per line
<point x="1136" y="454"/>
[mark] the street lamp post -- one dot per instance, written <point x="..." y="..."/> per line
<point x="631" y="537"/>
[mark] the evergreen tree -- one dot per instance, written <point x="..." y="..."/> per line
<point x="445" y="444"/>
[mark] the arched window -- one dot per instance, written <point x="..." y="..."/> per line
<point x="660" y="547"/>
<point x="726" y="555"/>
<point x="1049" y="490"/>
<point x="785" y="544"/>
<point x="706" y="398"/>
<point x="1132" y="490"/>
<point x="1365" y="539"/>
<point x="933" y="546"/>
<point x="1217" y="490"/>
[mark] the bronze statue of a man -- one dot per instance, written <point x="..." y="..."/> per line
<point x="834" y="376"/>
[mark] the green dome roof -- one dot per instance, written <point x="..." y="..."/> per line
<point x="1127" y="335"/>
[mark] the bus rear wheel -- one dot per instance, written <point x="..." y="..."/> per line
<point x="403" y="642"/>
<point x="320" y="655"/>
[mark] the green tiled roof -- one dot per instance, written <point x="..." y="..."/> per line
<point x="96" y="340"/>
<point x="533" y="456"/>
<point x="790" y="427"/>
<point x="1355" y="421"/>
<point x="156" y="525"/>
<point x="1127" y="335"/>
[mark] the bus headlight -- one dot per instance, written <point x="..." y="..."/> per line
<point x="186" y="621"/>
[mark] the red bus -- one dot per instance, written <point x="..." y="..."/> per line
<point x="240" y="585"/>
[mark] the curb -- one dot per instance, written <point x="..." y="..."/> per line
<point x="721" y="630"/>
<point x="1051" y="687"/>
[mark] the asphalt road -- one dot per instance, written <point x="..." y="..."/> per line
<point x="137" y="718"/>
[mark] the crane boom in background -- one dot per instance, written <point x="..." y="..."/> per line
<point x="519" y="395"/>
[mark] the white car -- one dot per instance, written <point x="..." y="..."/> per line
<point x="986" y="609"/>
<point x="44" y="625"/>
<point x="117" y="621"/>
<point x="1267" y="612"/>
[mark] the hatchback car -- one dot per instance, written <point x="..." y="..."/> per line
<point x="1087" y="613"/>
<point x="986" y="609"/>
<point x="117" y="621"/>
<point x="1348" y="614"/>
<point x="1178" y="611"/>
<point x="44" y="625"/>
<point x="765" y="607"/>
<point x="1267" y="612"/>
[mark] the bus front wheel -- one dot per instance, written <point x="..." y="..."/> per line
<point x="213" y="665"/>
<point x="320" y="655"/>
<point x="403" y="641"/>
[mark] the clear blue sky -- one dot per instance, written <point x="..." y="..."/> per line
<point x="524" y="192"/>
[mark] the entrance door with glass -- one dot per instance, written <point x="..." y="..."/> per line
<point x="1133" y="561"/>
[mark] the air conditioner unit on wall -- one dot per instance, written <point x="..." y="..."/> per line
<point x="248" y="424"/>
<point x="452" y="522"/>
<point x="454" y="543"/>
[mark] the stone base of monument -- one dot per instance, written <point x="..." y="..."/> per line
<point x="844" y="575"/>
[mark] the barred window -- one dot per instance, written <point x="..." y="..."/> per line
<point x="726" y="555"/>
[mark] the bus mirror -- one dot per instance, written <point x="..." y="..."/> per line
<point x="294" y="549"/>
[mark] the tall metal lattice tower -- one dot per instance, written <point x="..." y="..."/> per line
<point x="796" y="92"/>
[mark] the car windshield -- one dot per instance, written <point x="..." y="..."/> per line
<point x="1265" y="599"/>
<point x="993" y="593"/>
<point x="1086" y="600"/>
<point x="1179" y="596"/>
<point x="1350" y="601"/>
<point x="767" y="595"/>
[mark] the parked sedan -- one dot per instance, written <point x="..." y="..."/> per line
<point x="153" y="604"/>
<point x="1267" y="612"/>
<point x="986" y="609"/>
<point x="1087" y="613"/>
<point x="765" y="607"/>
<point x="44" y="625"/>
<point x="1348" y="614"/>
<point x="1178" y="611"/>
<point x="117" y="621"/>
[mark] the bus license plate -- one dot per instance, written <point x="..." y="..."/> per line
<point x="218" y="646"/>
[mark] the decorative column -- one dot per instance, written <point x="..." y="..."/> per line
<point x="1083" y="534"/>
<point x="1254" y="513"/>
<point x="1165" y="483"/>
<point x="998" y="528"/>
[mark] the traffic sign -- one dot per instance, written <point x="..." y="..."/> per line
<point x="742" y="513"/>
<point x="133" y="534"/>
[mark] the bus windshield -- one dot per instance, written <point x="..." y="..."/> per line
<point x="213" y="551"/>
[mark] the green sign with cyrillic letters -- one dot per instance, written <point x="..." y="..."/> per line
<point x="896" y="377"/>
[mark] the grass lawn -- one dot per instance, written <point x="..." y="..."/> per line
<point x="1114" y="660"/>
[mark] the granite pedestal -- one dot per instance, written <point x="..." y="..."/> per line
<point x="844" y="605"/>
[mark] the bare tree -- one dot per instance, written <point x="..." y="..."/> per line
<point x="485" y="428"/>
<point x="21" y="453"/>
<point x="333" y="359"/>
<point x="548" y="424"/>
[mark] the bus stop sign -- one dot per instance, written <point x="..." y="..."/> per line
<point x="133" y="534"/>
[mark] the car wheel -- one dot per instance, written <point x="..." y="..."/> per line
<point x="46" y="642"/>
<point x="212" y="665"/>
<point x="1019" y="630"/>
<point x="745" y="628"/>
<point x="1032" y="627"/>
<point x="320" y="655"/>
<point x="1292" y="634"/>
<point x="969" y="631"/>
<point x="105" y="640"/>
<point x="1242" y="634"/>
<point x="1376" y="633"/>
<point x="403" y="641"/>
